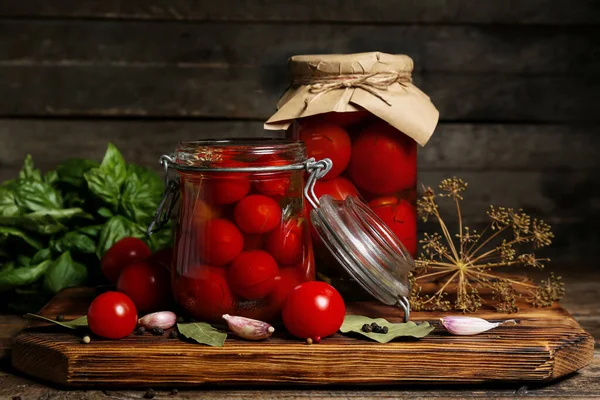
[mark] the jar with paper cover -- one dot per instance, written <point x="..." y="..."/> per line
<point x="362" y="112"/>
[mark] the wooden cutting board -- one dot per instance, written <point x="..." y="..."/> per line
<point x="546" y="344"/>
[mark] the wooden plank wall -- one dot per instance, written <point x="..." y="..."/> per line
<point x="515" y="81"/>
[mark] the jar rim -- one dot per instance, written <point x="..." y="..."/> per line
<point x="229" y="143"/>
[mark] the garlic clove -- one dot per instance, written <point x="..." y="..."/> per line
<point x="161" y="319"/>
<point x="248" y="328"/>
<point x="464" y="326"/>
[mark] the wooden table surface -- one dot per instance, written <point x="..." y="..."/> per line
<point x="581" y="300"/>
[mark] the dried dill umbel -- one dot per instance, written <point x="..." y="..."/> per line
<point x="467" y="261"/>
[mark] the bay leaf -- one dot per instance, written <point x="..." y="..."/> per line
<point x="202" y="333"/>
<point x="354" y="324"/>
<point x="78" y="323"/>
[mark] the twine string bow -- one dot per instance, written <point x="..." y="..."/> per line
<point x="371" y="83"/>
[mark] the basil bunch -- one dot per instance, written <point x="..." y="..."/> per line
<point x="55" y="227"/>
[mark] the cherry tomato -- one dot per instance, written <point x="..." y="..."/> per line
<point x="345" y="119"/>
<point x="252" y="274"/>
<point x="313" y="310"/>
<point x="227" y="187"/>
<point x="384" y="161"/>
<point x="286" y="242"/>
<point x="339" y="188"/>
<point x="124" y="252"/>
<point x="147" y="284"/>
<point x="287" y="280"/>
<point x="204" y="293"/>
<point x="272" y="184"/>
<point x="257" y="214"/>
<point x="327" y="140"/>
<point x="399" y="215"/>
<point x="203" y="212"/>
<point x="112" y="315"/>
<point x="163" y="258"/>
<point x="220" y="242"/>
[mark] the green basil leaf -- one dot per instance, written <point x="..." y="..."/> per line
<point x="51" y="177"/>
<point x="41" y="255"/>
<point x="78" y="323"/>
<point x="202" y="333"/>
<point x="74" y="241"/>
<point x="13" y="277"/>
<point x="104" y="186"/>
<point x="46" y="222"/>
<point x="105" y="212"/>
<point x="37" y="196"/>
<point x="71" y="171"/>
<point x="142" y="191"/>
<point x="12" y="231"/>
<point x="114" y="164"/>
<point x="8" y="203"/>
<point x="354" y="324"/>
<point x="23" y="260"/>
<point x="28" y="172"/>
<point x="115" y="229"/>
<point x="64" y="273"/>
<point x="92" y="231"/>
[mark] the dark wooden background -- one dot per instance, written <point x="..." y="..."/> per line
<point x="516" y="83"/>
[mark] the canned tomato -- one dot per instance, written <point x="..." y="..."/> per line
<point x="242" y="238"/>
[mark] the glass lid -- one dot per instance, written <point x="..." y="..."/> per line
<point x="362" y="243"/>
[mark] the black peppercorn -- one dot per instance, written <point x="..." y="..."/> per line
<point x="367" y="328"/>
<point x="174" y="391"/>
<point x="60" y="318"/>
<point x="374" y="325"/>
<point x="173" y="335"/>
<point x="149" y="394"/>
<point x="140" y="331"/>
<point x="385" y="329"/>
<point x="158" y="331"/>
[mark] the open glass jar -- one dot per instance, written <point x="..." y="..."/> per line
<point x="241" y="238"/>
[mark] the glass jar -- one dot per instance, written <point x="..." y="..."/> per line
<point x="242" y="239"/>
<point x="363" y="112"/>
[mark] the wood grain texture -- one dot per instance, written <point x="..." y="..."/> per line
<point x="251" y="93"/>
<point x="547" y="344"/>
<point x="483" y="48"/>
<point x="561" y="12"/>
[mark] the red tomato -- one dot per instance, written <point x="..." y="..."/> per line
<point x="286" y="242"/>
<point x="112" y="315"/>
<point x="313" y="310"/>
<point x="147" y="285"/>
<point x="220" y="242"/>
<point x="287" y="280"/>
<point x="252" y="274"/>
<point x="124" y="252"/>
<point x="257" y="214"/>
<point x="203" y="212"/>
<point x="163" y="258"/>
<point x="338" y="188"/>
<point x="399" y="215"/>
<point x="384" y="160"/>
<point x="327" y="140"/>
<point x="227" y="187"/>
<point x="345" y="119"/>
<point x="272" y="184"/>
<point x="204" y="293"/>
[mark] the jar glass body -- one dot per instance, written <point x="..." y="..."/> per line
<point x="242" y="237"/>
<point x="372" y="159"/>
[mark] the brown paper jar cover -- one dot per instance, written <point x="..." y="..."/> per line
<point x="377" y="82"/>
